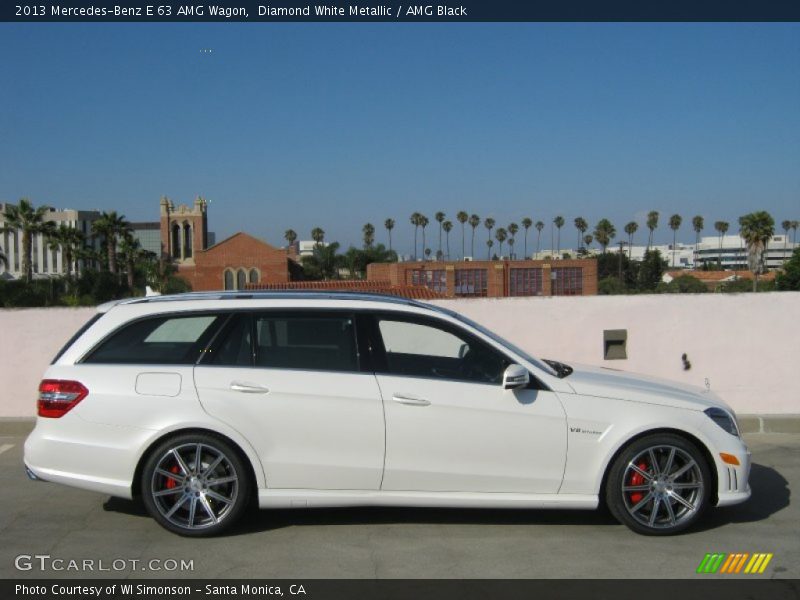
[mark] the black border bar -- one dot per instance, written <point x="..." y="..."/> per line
<point x="461" y="11"/>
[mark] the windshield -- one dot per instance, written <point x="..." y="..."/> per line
<point x="503" y="342"/>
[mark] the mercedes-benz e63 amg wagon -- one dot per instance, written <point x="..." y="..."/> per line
<point x="201" y="403"/>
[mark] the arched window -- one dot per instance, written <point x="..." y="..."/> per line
<point x="241" y="279"/>
<point x="187" y="240"/>
<point x="254" y="276"/>
<point x="228" y="280"/>
<point x="176" y="240"/>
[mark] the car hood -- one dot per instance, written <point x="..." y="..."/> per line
<point x="611" y="383"/>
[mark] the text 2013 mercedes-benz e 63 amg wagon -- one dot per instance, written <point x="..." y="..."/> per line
<point x="201" y="403"/>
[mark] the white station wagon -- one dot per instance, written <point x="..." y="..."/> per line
<point x="203" y="402"/>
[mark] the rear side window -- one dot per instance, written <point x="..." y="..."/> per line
<point x="169" y="340"/>
<point x="289" y="341"/>
<point x="75" y="337"/>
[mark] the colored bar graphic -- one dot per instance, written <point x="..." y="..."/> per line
<point x="721" y="562"/>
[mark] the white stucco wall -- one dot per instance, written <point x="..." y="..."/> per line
<point x="745" y="344"/>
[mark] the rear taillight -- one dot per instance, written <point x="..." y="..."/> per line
<point x="57" y="397"/>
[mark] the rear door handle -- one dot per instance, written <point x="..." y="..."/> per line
<point x="248" y="388"/>
<point x="410" y="400"/>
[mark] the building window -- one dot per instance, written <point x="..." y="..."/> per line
<point x="525" y="282"/>
<point x="16" y="250"/>
<point x="254" y="278"/>
<point x="567" y="281"/>
<point x="471" y="282"/>
<point x="228" y="280"/>
<point x="35" y="252"/>
<point x="433" y="279"/>
<point x="176" y="241"/>
<point x="187" y="240"/>
<point x="241" y="279"/>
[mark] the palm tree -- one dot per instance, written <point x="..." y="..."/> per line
<point x="795" y="225"/>
<point x="489" y="244"/>
<point x="652" y="225"/>
<point x="588" y="239"/>
<point x="539" y="226"/>
<point x="389" y="225"/>
<point x="109" y="226"/>
<point x="474" y="221"/>
<point x="526" y="224"/>
<point x="722" y="229"/>
<point x="318" y="235"/>
<point x="415" y="218"/>
<point x="756" y="230"/>
<point x="675" y="224"/>
<point x="697" y="224"/>
<point x="604" y="232"/>
<point x="489" y="222"/>
<point x="130" y="251"/>
<point x="513" y="228"/>
<point x="369" y="235"/>
<point x="70" y="241"/>
<point x="559" y="223"/>
<point x="423" y="222"/>
<point x="501" y="235"/>
<point x="581" y="225"/>
<point x="462" y="217"/>
<point x="31" y="221"/>
<point x="630" y="228"/>
<point x="447" y="226"/>
<point x="787" y="225"/>
<point x="290" y="235"/>
<point x="439" y="216"/>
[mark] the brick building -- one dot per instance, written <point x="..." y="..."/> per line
<point x="232" y="264"/>
<point x="463" y="279"/>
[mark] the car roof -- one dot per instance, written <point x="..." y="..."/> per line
<point x="269" y="295"/>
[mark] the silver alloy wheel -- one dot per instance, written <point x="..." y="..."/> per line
<point x="662" y="487"/>
<point x="194" y="485"/>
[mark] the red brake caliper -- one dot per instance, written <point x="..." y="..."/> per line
<point x="171" y="483"/>
<point x="637" y="479"/>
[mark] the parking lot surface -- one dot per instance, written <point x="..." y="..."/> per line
<point x="42" y="519"/>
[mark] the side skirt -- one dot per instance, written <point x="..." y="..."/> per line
<point x="271" y="498"/>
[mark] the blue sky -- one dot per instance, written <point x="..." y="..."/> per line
<point x="334" y="125"/>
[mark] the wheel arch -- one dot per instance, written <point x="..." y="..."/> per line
<point x="701" y="446"/>
<point x="243" y="455"/>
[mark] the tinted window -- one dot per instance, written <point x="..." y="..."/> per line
<point x="310" y="342"/>
<point x="427" y="350"/>
<point x="235" y="347"/>
<point x="168" y="340"/>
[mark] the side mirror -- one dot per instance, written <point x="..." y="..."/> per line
<point x="515" y="376"/>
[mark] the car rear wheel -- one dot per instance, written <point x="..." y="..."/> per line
<point x="195" y="485"/>
<point x="659" y="485"/>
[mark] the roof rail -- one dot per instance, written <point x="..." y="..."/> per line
<point x="279" y="295"/>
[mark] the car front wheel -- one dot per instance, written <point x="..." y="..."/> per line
<point x="659" y="485"/>
<point x="195" y="485"/>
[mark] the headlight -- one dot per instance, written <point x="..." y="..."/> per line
<point x="724" y="419"/>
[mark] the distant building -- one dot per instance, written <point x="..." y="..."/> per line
<point x="730" y="252"/>
<point x="234" y="263"/>
<point x="45" y="261"/>
<point x="148" y="235"/>
<point x="492" y="279"/>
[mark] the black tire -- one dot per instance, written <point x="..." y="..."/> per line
<point x="204" y="476"/>
<point x="678" y="488"/>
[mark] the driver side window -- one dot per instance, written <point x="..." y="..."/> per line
<point x="426" y="350"/>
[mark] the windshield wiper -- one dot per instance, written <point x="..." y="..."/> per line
<point x="560" y="368"/>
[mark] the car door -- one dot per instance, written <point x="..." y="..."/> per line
<point x="292" y="384"/>
<point x="450" y="424"/>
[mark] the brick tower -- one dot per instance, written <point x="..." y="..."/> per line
<point x="184" y="230"/>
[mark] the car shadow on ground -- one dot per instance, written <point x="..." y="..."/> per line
<point x="770" y="494"/>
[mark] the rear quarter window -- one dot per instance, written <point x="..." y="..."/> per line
<point x="169" y="340"/>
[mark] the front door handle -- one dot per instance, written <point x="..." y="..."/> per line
<point x="410" y="400"/>
<point x="248" y="388"/>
